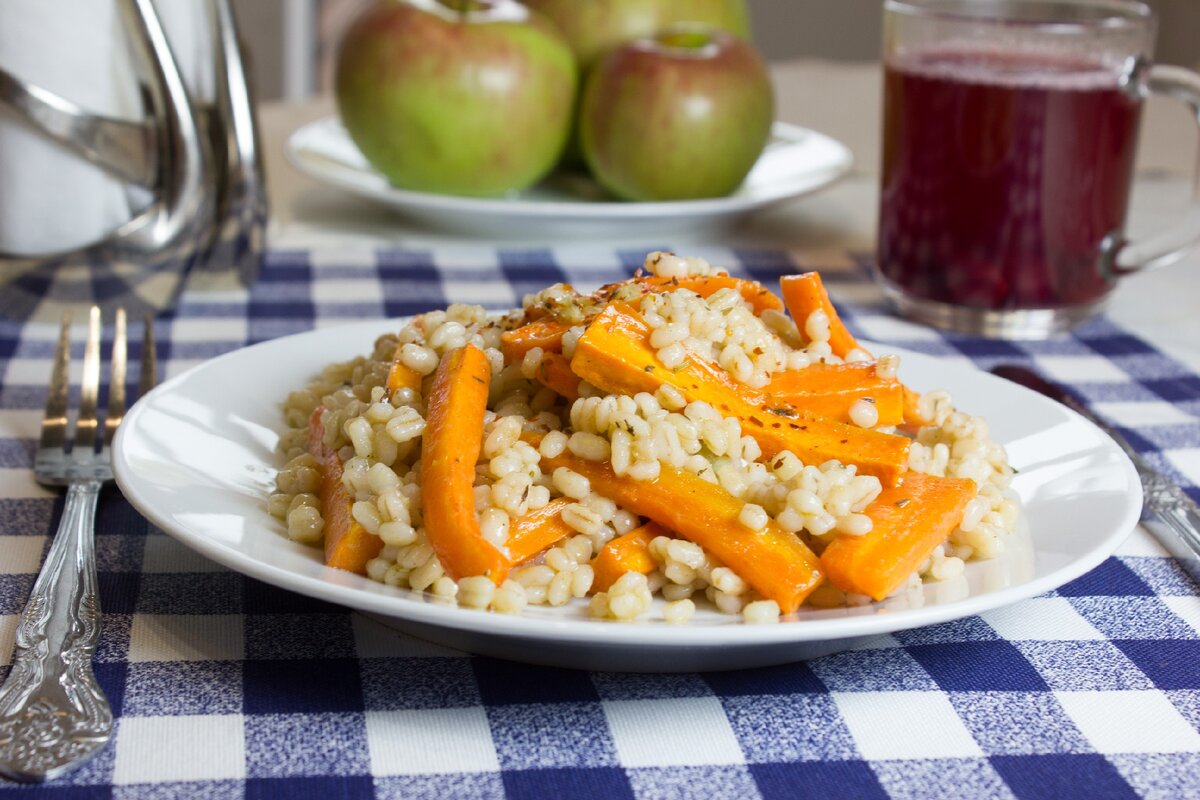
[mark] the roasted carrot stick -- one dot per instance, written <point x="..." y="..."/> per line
<point x="533" y="532"/>
<point x="911" y="520"/>
<point x="829" y="390"/>
<point x="614" y="354"/>
<point x="804" y="294"/>
<point x="545" y="332"/>
<point x="452" y="441"/>
<point x="627" y="553"/>
<point x="555" y="371"/>
<point x="912" y="409"/>
<point x="773" y="561"/>
<point x="348" y="545"/>
<point x="401" y="376"/>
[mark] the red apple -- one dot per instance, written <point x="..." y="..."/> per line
<point x="682" y="114"/>
<point x="464" y="97"/>
<point x="594" y="27"/>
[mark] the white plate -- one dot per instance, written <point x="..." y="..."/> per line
<point x="196" y="456"/>
<point x="797" y="161"/>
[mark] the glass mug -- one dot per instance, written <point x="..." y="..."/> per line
<point x="1009" y="134"/>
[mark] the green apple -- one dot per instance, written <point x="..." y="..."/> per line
<point x="594" y="27"/>
<point x="463" y="97"/>
<point x="682" y="114"/>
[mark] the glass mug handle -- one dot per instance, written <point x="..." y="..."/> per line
<point x="1169" y="245"/>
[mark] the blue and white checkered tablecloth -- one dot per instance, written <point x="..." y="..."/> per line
<point x="227" y="687"/>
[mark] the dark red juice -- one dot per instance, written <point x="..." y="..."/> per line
<point x="1003" y="173"/>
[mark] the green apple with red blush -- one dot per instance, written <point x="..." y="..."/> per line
<point x="460" y="97"/>
<point x="682" y="114"/>
<point x="594" y="27"/>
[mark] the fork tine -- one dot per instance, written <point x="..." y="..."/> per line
<point x="116" y="381"/>
<point x="89" y="387"/>
<point x="149" y="368"/>
<point x="54" y="421"/>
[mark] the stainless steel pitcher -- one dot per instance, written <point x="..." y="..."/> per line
<point x="199" y="165"/>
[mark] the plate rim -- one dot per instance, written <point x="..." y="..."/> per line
<point x="335" y="585"/>
<point x="579" y="212"/>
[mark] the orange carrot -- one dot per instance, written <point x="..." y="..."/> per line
<point x="555" y="371"/>
<point x="627" y="553"/>
<point x="545" y="332"/>
<point x="348" y="545"/>
<point x="453" y="437"/>
<point x="773" y="561"/>
<point x="829" y="390"/>
<point x="401" y="376"/>
<point x="534" y="531"/>
<point x="806" y="293"/>
<point x="913" y="417"/>
<point x="911" y="520"/>
<point x="614" y="354"/>
<point x="758" y="296"/>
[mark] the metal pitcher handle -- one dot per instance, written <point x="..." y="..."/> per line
<point x="239" y="232"/>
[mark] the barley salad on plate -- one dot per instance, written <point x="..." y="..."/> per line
<point x="682" y="435"/>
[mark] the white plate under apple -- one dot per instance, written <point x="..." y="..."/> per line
<point x="796" y="161"/>
<point x="197" y="457"/>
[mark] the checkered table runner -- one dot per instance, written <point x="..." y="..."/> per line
<point x="223" y="686"/>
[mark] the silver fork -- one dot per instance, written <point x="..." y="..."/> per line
<point x="53" y="714"/>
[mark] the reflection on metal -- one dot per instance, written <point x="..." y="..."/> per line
<point x="209" y="202"/>
<point x="126" y="150"/>
<point x="239" y="230"/>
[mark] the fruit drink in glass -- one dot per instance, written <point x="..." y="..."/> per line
<point x="1010" y="129"/>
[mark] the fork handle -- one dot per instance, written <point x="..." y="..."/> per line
<point x="53" y="714"/>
